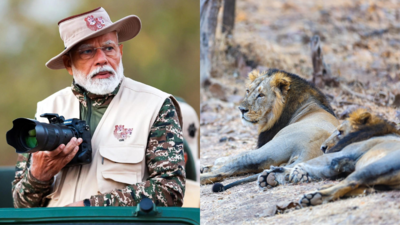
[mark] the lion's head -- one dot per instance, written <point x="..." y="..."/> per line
<point x="358" y="119"/>
<point x="266" y="94"/>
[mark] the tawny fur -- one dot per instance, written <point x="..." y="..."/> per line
<point x="278" y="102"/>
<point x="373" y="161"/>
<point x="363" y="125"/>
<point x="278" y="97"/>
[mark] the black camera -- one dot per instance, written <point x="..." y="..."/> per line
<point x="29" y="136"/>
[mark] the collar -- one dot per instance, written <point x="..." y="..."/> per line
<point x="97" y="100"/>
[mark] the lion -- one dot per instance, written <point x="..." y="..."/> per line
<point x="364" y="149"/>
<point x="362" y="124"/>
<point x="293" y="119"/>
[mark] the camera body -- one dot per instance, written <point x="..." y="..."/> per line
<point x="81" y="130"/>
<point x="47" y="137"/>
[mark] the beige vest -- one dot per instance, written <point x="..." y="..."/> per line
<point x="115" y="163"/>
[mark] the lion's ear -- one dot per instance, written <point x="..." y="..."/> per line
<point x="360" y="116"/>
<point x="253" y="75"/>
<point x="282" y="82"/>
<point x="364" y="117"/>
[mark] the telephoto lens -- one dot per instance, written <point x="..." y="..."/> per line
<point x="28" y="136"/>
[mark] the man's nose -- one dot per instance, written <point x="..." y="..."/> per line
<point x="243" y="110"/>
<point x="100" y="57"/>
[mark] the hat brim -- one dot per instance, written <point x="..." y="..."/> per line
<point x="127" y="28"/>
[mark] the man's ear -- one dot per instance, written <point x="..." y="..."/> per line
<point x="121" y="46"/>
<point x="67" y="63"/>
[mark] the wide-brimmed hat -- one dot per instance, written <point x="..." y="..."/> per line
<point x="91" y="24"/>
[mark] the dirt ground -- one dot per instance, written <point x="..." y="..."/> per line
<point x="360" y="43"/>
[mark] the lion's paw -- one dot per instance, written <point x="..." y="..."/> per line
<point x="267" y="179"/>
<point x="299" y="175"/>
<point x="311" y="199"/>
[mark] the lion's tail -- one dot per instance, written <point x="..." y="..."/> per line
<point x="218" y="187"/>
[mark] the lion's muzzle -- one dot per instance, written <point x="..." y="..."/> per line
<point x="243" y="110"/>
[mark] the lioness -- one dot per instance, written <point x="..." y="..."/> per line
<point x="365" y="146"/>
<point x="293" y="119"/>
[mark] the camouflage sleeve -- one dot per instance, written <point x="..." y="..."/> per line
<point x="165" y="162"/>
<point x="27" y="191"/>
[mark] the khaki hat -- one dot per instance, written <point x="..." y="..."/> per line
<point x="91" y="24"/>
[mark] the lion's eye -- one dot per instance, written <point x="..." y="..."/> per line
<point x="260" y="95"/>
<point x="339" y="133"/>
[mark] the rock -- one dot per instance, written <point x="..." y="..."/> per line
<point x="217" y="90"/>
<point x="288" y="205"/>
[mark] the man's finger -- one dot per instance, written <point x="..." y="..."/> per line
<point x="56" y="151"/>
<point x="71" y="155"/>
<point x="70" y="146"/>
<point x="79" y="141"/>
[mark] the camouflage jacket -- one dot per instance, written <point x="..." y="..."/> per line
<point x="165" y="184"/>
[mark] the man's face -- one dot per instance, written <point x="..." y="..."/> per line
<point x="97" y="70"/>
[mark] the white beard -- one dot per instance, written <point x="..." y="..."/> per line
<point x="99" y="86"/>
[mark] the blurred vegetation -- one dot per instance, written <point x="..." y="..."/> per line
<point x="165" y="54"/>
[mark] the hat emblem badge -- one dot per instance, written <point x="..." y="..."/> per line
<point x="95" y="23"/>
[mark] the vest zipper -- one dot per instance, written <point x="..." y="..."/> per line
<point x="88" y="114"/>
<point x="89" y="108"/>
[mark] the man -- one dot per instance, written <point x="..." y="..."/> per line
<point x="137" y="140"/>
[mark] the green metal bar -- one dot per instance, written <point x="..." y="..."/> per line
<point x="6" y="177"/>
<point x="98" y="214"/>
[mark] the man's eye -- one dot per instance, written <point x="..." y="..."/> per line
<point x="109" y="48"/>
<point x="86" y="51"/>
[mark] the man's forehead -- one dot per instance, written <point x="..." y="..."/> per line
<point x="109" y="38"/>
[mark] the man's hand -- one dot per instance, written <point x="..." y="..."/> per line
<point x="46" y="164"/>
<point x="75" y="204"/>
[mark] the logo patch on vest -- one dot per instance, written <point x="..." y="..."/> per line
<point x="95" y="23"/>
<point x="122" y="133"/>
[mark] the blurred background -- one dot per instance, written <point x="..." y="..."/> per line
<point x="165" y="54"/>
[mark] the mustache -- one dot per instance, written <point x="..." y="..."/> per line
<point x="101" y="69"/>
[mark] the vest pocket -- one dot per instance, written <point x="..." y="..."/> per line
<point x="121" y="177"/>
<point x="120" y="166"/>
